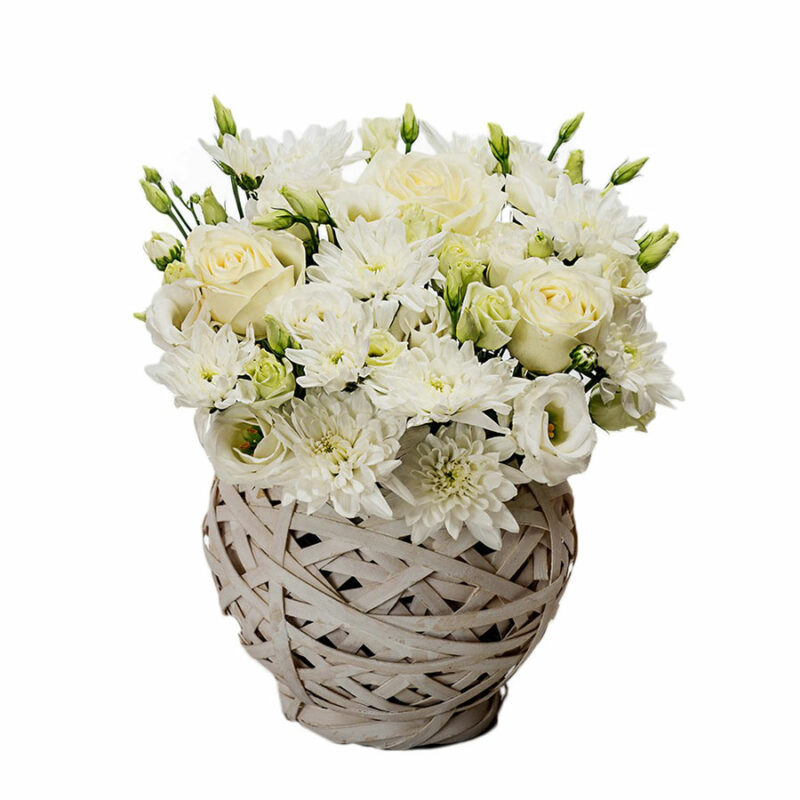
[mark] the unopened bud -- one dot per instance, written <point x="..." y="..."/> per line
<point x="176" y="270"/>
<point x="652" y="237"/>
<point x="176" y="190"/>
<point x="409" y="128"/>
<point x="569" y="128"/>
<point x="458" y="278"/>
<point x="627" y="171"/>
<point x="584" y="358"/>
<point x="152" y="175"/>
<point x="213" y="212"/>
<point x="656" y="252"/>
<point x="194" y="199"/>
<point x="224" y="118"/>
<point x="307" y="204"/>
<point x="574" y="167"/>
<point x="499" y="145"/>
<point x="278" y="220"/>
<point x="158" y="199"/>
<point x="540" y="246"/>
<point x="278" y="338"/>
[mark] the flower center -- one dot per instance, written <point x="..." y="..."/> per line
<point x="440" y="384"/>
<point x="207" y="373"/>
<point x="333" y="445"/>
<point x="251" y="437"/>
<point x="375" y="268"/>
<point x="452" y="479"/>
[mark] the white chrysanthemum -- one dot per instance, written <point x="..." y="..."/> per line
<point x="335" y="352"/>
<point x="583" y="221"/>
<point x="530" y="169"/>
<point x="476" y="147"/>
<point x="553" y="428"/>
<point x="439" y="381"/>
<point x="456" y="479"/>
<point x="633" y="359"/>
<point x="241" y="445"/>
<point x="303" y="307"/>
<point x="374" y="260"/>
<point x="244" y="154"/>
<point x="341" y="449"/>
<point x="204" y="372"/>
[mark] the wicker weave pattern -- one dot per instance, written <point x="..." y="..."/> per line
<point x="378" y="641"/>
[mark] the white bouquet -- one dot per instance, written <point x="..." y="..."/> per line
<point x="413" y="341"/>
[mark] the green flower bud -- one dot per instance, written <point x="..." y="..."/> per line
<point x="488" y="316"/>
<point x="176" y="270"/>
<point x="213" y="212"/>
<point x="194" y="199"/>
<point x="574" y="167"/>
<point x="584" y="358"/>
<point x="162" y="249"/>
<point x="613" y="417"/>
<point x="498" y="144"/>
<point x="278" y="338"/>
<point x="569" y="128"/>
<point x="540" y="246"/>
<point x="409" y="127"/>
<point x="652" y="237"/>
<point x="383" y="348"/>
<point x="152" y="175"/>
<point x="176" y="190"/>
<point x="455" y="287"/>
<point x="308" y="204"/>
<point x="272" y="377"/>
<point x="157" y="198"/>
<point x="224" y="118"/>
<point x="277" y="220"/>
<point x="656" y="252"/>
<point x="140" y="315"/>
<point x="627" y="171"/>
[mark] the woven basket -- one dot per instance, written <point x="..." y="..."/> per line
<point x="379" y="641"/>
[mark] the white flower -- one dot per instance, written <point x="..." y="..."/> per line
<point x="162" y="249"/>
<point x="174" y="309"/>
<point x="476" y="147"/>
<point x="354" y="200"/>
<point x="379" y="132"/>
<point x="560" y="307"/>
<point x="628" y="280"/>
<point x="450" y="190"/>
<point x="553" y="428"/>
<point x="305" y="306"/>
<point x="335" y="351"/>
<point x="373" y="260"/>
<point x="633" y="359"/>
<point x="507" y="246"/>
<point x="456" y="479"/>
<point x="458" y="249"/>
<point x="241" y="445"/>
<point x="583" y="221"/>
<point x="242" y="268"/>
<point x="341" y="450"/>
<point x="438" y="381"/>
<point x="531" y="175"/>
<point x="488" y="316"/>
<point x="248" y="157"/>
<point x="415" y="327"/>
<point x="204" y="372"/>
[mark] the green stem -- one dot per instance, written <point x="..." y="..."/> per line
<point x="553" y="152"/>
<point x="309" y="226"/>
<point x="235" y="188"/>
<point x="177" y="224"/>
<point x="175" y="208"/>
<point x="190" y="209"/>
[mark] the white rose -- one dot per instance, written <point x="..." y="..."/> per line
<point x="553" y="429"/>
<point x="449" y="187"/>
<point x="241" y="445"/>
<point x="560" y="307"/>
<point x="379" y="132"/>
<point x="242" y="268"/>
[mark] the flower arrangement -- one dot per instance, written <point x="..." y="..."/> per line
<point x="413" y="341"/>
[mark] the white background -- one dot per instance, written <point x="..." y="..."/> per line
<point x="671" y="670"/>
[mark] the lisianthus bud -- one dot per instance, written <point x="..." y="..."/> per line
<point x="574" y="167"/>
<point x="277" y="220"/>
<point x="584" y="358"/>
<point x="455" y="288"/>
<point x="176" y="190"/>
<point x="162" y="249"/>
<point x="498" y="144"/>
<point x="613" y="417"/>
<point x="272" y="377"/>
<point x="224" y="118"/>
<point x="540" y="246"/>
<point x="176" y="270"/>
<point x="158" y="199"/>
<point x="627" y="171"/>
<point x="152" y="175"/>
<point x="657" y="251"/>
<point x="278" y="338"/>
<point x="569" y="128"/>
<point x="652" y="237"/>
<point x="378" y="133"/>
<point x="307" y="204"/>
<point x="194" y="199"/>
<point x="409" y="127"/>
<point x="213" y="212"/>
<point x="488" y="316"/>
<point x="383" y="348"/>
